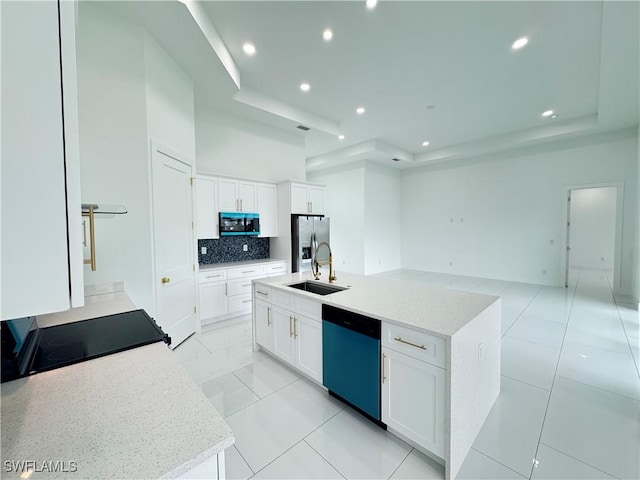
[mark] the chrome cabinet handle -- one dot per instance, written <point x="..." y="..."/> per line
<point x="246" y="285"/>
<point x="399" y="339"/>
<point x="295" y="328"/>
<point x="262" y="293"/>
<point x="290" y="326"/>
<point x="268" y="316"/>
<point x="246" y="301"/>
<point x="213" y="276"/>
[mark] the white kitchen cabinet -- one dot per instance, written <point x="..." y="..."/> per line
<point x="275" y="269"/>
<point x="268" y="209"/>
<point x="237" y="195"/>
<point x="213" y="299"/>
<point x="283" y="340"/>
<point x="206" y="211"/>
<point x="413" y="398"/>
<point x="294" y="337"/>
<point x="42" y="263"/>
<point x="309" y="346"/>
<point x="307" y="199"/>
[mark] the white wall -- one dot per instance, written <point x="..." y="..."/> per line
<point x="170" y="104"/>
<point x="113" y="148"/>
<point x="498" y="218"/>
<point x="344" y="204"/>
<point x="593" y="224"/>
<point x="383" y="223"/>
<point x="230" y="145"/>
<point x="130" y="92"/>
<point x="363" y="202"/>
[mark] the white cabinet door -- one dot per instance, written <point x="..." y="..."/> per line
<point x="35" y="259"/>
<point x="299" y="199"/>
<point x="413" y="395"/>
<point x="316" y="199"/>
<point x="264" y="330"/>
<point x="308" y="336"/>
<point x="228" y="195"/>
<point x="206" y="211"/>
<point x="247" y="197"/>
<point x="213" y="300"/>
<point x="283" y="341"/>
<point x="268" y="210"/>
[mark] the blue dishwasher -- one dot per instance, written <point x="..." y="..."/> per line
<point x="351" y="359"/>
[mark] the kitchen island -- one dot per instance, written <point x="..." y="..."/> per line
<point x="440" y="352"/>
<point x="133" y="414"/>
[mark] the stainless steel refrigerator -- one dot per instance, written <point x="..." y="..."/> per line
<point x="307" y="232"/>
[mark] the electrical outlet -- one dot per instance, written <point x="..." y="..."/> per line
<point x="245" y="248"/>
<point x="203" y="250"/>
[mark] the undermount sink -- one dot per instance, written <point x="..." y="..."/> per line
<point x="318" y="288"/>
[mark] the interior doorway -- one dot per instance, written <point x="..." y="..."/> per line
<point x="593" y="216"/>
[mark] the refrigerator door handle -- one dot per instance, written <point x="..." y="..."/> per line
<point x="314" y="246"/>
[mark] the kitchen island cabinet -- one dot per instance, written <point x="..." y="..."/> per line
<point x="440" y="352"/>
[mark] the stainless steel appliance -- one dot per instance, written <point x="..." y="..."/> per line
<point x="307" y="232"/>
<point x="28" y="349"/>
<point x="233" y="223"/>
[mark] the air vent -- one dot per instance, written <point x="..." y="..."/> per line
<point x="303" y="128"/>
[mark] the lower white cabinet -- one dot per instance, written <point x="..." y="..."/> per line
<point x="413" y="397"/>
<point x="213" y="299"/>
<point x="289" y="335"/>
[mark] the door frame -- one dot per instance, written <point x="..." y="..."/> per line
<point x="155" y="148"/>
<point x="617" y="254"/>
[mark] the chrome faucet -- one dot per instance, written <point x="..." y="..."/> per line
<point x="316" y="264"/>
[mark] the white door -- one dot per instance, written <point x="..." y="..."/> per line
<point x="247" y="197"/>
<point x="173" y="243"/>
<point x="316" y="199"/>
<point x="206" y="211"/>
<point x="264" y="332"/>
<point x="309" y="347"/>
<point x="283" y="342"/>
<point x="228" y="195"/>
<point x="268" y="210"/>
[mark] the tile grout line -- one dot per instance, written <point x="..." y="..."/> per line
<point x="522" y="311"/>
<point x="576" y="459"/>
<point x="400" y="464"/>
<point x="553" y="381"/>
<point x="600" y="389"/>
<point x="498" y="462"/>
<point x="322" y="456"/>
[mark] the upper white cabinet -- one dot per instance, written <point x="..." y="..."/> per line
<point x="41" y="256"/>
<point x="268" y="209"/>
<point x="237" y="195"/>
<point x="206" y="209"/>
<point x="307" y="198"/>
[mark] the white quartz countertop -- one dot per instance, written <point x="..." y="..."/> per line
<point x="438" y="311"/>
<point x="133" y="414"/>
<point x="261" y="261"/>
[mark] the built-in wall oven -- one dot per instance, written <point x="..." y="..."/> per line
<point x="351" y="359"/>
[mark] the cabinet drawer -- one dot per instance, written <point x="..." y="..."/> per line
<point x="276" y="268"/>
<point x="283" y="299"/>
<point x="420" y="345"/>
<point x="208" y="276"/>
<point x="248" y="271"/>
<point x="309" y="308"/>
<point x="240" y="303"/>
<point x="262" y="292"/>
<point x="239" y="287"/>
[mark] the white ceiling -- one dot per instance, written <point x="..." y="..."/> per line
<point x="582" y="61"/>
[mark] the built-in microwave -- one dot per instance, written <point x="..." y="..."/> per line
<point x="235" y="223"/>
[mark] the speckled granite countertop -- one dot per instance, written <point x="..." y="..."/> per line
<point x="261" y="261"/>
<point x="134" y="414"/>
<point x="435" y="310"/>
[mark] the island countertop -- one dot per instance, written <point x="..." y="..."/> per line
<point x="133" y="414"/>
<point x="435" y="310"/>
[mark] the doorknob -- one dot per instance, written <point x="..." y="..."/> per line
<point x="165" y="280"/>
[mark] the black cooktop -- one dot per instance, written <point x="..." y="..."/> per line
<point x="28" y="349"/>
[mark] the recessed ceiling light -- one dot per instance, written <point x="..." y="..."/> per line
<point x="360" y="110"/>
<point x="305" y="87"/>
<point x="554" y="116"/>
<point x="340" y="137"/>
<point x="425" y="143"/>
<point x="371" y="4"/>
<point x="519" y="43"/>
<point x="249" y="48"/>
<point x="547" y="113"/>
<point x="327" y="34"/>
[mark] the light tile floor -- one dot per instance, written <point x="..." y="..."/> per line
<point x="569" y="405"/>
